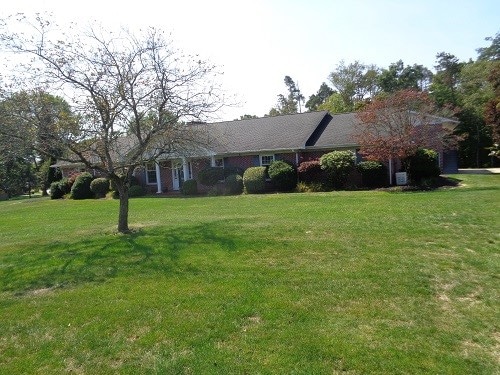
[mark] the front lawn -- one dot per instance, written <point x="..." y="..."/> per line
<point x="343" y="282"/>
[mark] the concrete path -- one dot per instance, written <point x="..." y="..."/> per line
<point x="479" y="171"/>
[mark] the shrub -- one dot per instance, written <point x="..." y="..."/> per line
<point x="100" y="187"/>
<point x="134" y="181"/>
<point x="337" y="165"/>
<point x="189" y="187"/>
<point x="210" y="176"/>
<point x="136" y="191"/>
<point x="228" y="171"/>
<point x="282" y="175"/>
<point x="66" y="184"/>
<point x="373" y="173"/>
<point x="310" y="171"/>
<point x="81" y="187"/>
<point x="55" y="190"/>
<point x="234" y="184"/>
<point x="310" y="187"/>
<point x="254" y="180"/>
<point x="422" y="165"/>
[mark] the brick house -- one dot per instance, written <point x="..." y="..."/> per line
<point x="258" y="142"/>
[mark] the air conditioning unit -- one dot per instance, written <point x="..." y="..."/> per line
<point x="401" y="178"/>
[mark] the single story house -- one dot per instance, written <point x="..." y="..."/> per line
<point x="260" y="141"/>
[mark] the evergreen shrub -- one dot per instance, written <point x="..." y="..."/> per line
<point x="210" y="176"/>
<point x="283" y="176"/>
<point x="254" y="180"/>
<point x="423" y="165"/>
<point x="189" y="187"/>
<point x="81" y="187"/>
<point x="234" y="184"/>
<point x="373" y="173"/>
<point x="338" y="165"/>
<point x="100" y="187"/>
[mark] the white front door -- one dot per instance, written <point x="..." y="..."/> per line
<point x="177" y="175"/>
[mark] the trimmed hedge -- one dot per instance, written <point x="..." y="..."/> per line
<point x="55" y="190"/>
<point x="254" y="180"/>
<point x="422" y="165"/>
<point x="81" y="187"/>
<point x="210" y="176"/>
<point x="282" y="175"/>
<point x="338" y="165"/>
<point x="136" y="191"/>
<point x="234" y="184"/>
<point x="100" y="187"/>
<point x="189" y="187"/>
<point x="373" y="173"/>
<point x="310" y="172"/>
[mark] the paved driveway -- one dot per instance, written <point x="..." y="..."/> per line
<point x="479" y="171"/>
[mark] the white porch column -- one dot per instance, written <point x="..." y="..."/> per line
<point x="212" y="160"/>
<point x="185" y="169"/>
<point x="158" y="178"/>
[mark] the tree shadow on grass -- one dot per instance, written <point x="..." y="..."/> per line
<point x="146" y="251"/>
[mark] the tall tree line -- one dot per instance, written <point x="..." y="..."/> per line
<point x="468" y="91"/>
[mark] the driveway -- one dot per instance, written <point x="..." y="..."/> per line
<point x="479" y="171"/>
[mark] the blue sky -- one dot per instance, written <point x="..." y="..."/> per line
<point x="257" y="42"/>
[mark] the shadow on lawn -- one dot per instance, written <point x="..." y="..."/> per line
<point x="147" y="251"/>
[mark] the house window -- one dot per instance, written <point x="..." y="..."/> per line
<point x="151" y="173"/>
<point x="266" y="160"/>
<point x="219" y="162"/>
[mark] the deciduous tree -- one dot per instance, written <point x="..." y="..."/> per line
<point x="115" y="81"/>
<point x="395" y="126"/>
<point x="315" y="100"/>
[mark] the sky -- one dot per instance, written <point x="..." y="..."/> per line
<point x="256" y="43"/>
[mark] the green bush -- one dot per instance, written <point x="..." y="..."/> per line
<point x="254" y="180"/>
<point x="228" y="171"/>
<point x="337" y="165"/>
<point x="55" y="190"/>
<point x="210" y="176"/>
<point x="422" y="165"/>
<point x="373" y="173"/>
<point x="282" y="175"/>
<point x="100" y="187"/>
<point x="136" y="191"/>
<point x="66" y="184"/>
<point x="189" y="187"/>
<point x="134" y="181"/>
<point x="310" y="187"/>
<point x="234" y="184"/>
<point x="81" y="187"/>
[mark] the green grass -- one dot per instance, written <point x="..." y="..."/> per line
<point x="342" y="282"/>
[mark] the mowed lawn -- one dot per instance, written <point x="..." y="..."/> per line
<point x="329" y="283"/>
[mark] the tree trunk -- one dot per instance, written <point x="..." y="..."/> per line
<point x="123" y="213"/>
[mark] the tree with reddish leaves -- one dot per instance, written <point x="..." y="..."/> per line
<point x="397" y="125"/>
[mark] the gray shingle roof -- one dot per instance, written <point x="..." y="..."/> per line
<point x="286" y="132"/>
<point x="338" y="132"/>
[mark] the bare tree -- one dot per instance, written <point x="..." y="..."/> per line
<point x="133" y="94"/>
